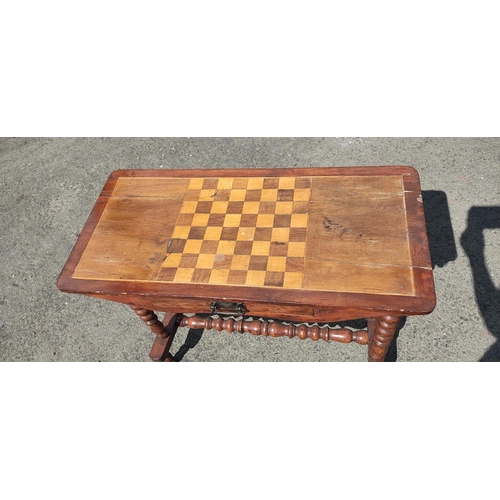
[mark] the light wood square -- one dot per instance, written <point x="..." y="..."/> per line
<point x="281" y="234"/>
<point x="269" y="195"/>
<point x="200" y="220"/>
<point x="265" y="220"/>
<point x="192" y="246"/>
<point x="184" y="275"/>
<point x="255" y="278"/>
<point x="276" y="264"/>
<point x="299" y="220"/>
<point x="219" y="207"/>
<point x="255" y="183"/>
<point x="287" y="182"/>
<point x="301" y="195"/>
<point x="213" y="233"/>
<point x="207" y="194"/>
<point x="189" y="207"/>
<point x="245" y="234"/>
<point x="205" y="261"/>
<point x="251" y="207"/>
<point x="219" y="276"/>
<point x="293" y="280"/>
<point x="240" y="262"/>
<point x="172" y="260"/>
<point x="226" y="183"/>
<point x="237" y="195"/>
<point x="181" y="232"/>
<point x="232" y="220"/>
<point x="261" y="247"/>
<point x="196" y="183"/>
<point x="284" y="207"/>
<point x="296" y="249"/>
<point x="226" y="247"/>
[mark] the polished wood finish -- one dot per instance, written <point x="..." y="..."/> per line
<point x="312" y="245"/>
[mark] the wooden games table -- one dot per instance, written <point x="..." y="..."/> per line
<point x="311" y="245"/>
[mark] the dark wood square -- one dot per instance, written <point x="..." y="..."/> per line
<point x="223" y="261"/>
<point x="271" y="183"/>
<point x="204" y="207"/>
<point x="222" y="195"/>
<point x="236" y="277"/>
<point x="302" y="183"/>
<point x="229" y="233"/>
<point x="282" y="220"/>
<point x="234" y="207"/>
<point x="176" y="246"/>
<point x="188" y="260"/>
<point x="297" y="234"/>
<point x="300" y="207"/>
<point x="196" y="233"/>
<point x="209" y="246"/>
<point x="278" y="248"/>
<point x="201" y="276"/>
<point x="258" y="263"/>
<point x="294" y="264"/>
<point x="216" y="220"/>
<point x="210" y="183"/>
<point x="263" y="234"/>
<point x="267" y="207"/>
<point x="167" y="274"/>
<point x="248" y="220"/>
<point x="240" y="183"/>
<point x="243" y="248"/>
<point x="253" y="195"/>
<point x="274" y="279"/>
<point x="285" y="194"/>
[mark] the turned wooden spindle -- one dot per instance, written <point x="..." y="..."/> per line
<point x="276" y="329"/>
<point x="164" y="332"/>
<point x="382" y="332"/>
<point x="150" y="318"/>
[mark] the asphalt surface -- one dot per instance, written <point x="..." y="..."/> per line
<point x="49" y="186"/>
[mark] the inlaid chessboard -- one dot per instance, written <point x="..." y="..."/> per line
<point x="357" y="231"/>
<point x="240" y="231"/>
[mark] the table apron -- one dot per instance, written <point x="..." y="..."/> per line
<point x="279" y="311"/>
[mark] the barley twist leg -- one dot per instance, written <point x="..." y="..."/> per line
<point x="164" y="332"/>
<point x="381" y="331"/>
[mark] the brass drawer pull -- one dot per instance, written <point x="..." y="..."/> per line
<point x="227" y="307"/>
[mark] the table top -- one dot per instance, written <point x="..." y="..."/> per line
<point x="353" y="234"/>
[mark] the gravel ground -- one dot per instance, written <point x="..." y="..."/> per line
<point x="49" y="186"/>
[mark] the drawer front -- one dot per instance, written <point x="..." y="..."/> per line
<point x="236" y="308"/>
<point x="258" y="309"/>
<point x="222" y="306"/>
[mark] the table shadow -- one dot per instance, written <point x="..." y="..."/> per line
<point x="439" y="228"/>
<point x="192" y="339"/>
<point x="487" y="295"/>
<point x="442" y="246"/>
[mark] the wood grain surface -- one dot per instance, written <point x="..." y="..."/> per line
<point x="303" y="237"/>
<point x="311" y="233"/>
